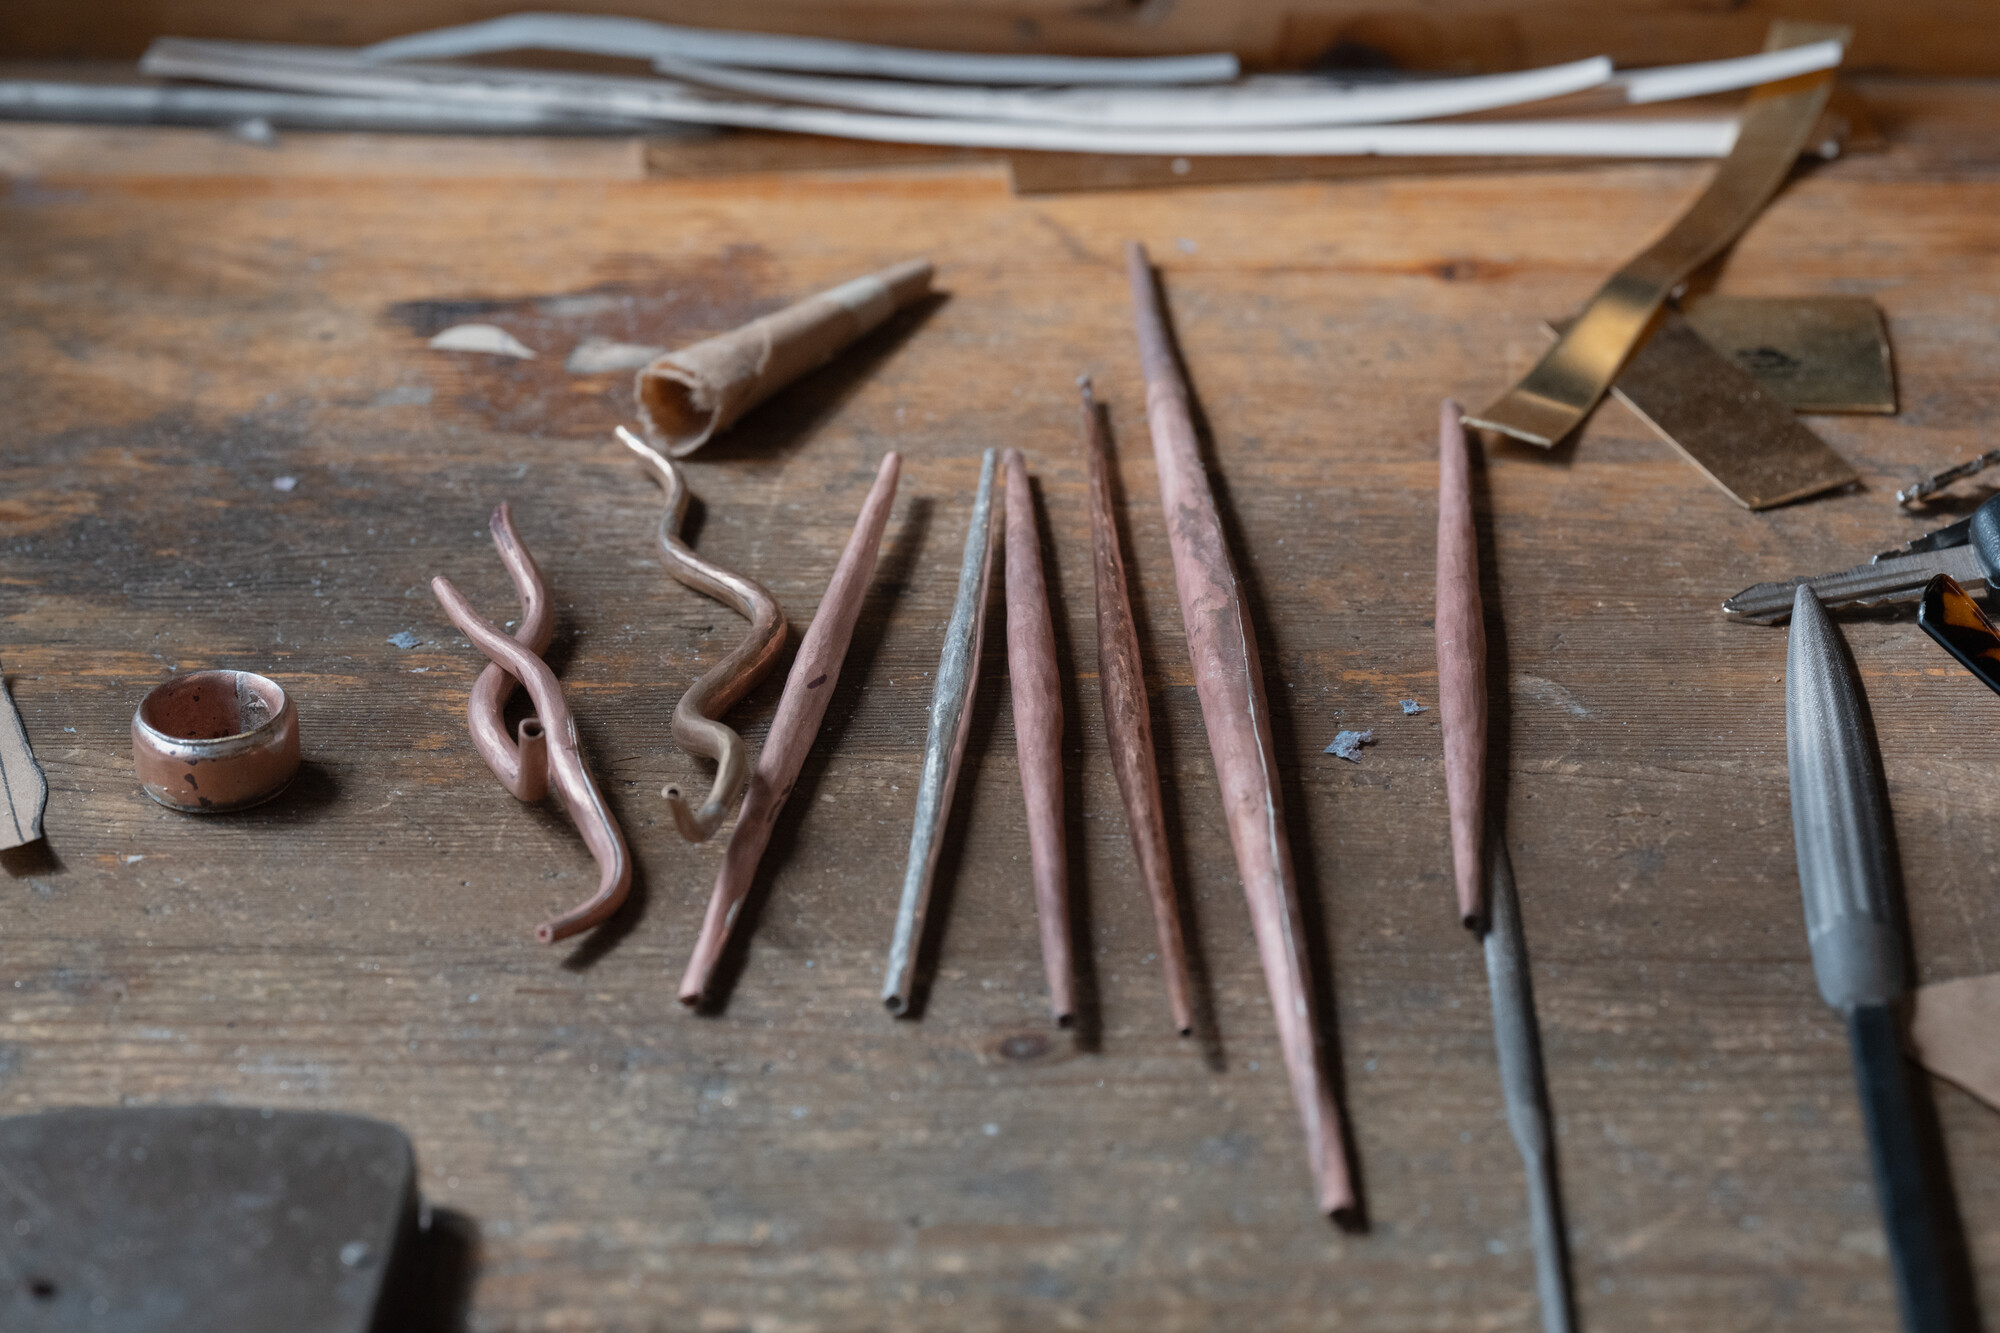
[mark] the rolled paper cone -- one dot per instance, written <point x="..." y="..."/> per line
<point x="1461" y="652"/>
<point x="801" y="709"/>
<point x="1229" y="680"/>
<point x="1121" y="677"/>
<point x="685" y="397"/>
<point x="1037" y="690"/>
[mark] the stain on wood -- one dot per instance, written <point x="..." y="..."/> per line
<point x="646" y="304"/>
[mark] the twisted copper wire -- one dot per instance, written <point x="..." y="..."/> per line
<point x="548" y="754"/>
<point x="695" y="726"/>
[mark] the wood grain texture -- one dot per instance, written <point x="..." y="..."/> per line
<point x="800" y="1161"/>
<point x="1913" y="37"/>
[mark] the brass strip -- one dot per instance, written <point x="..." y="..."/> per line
<point x="1813" y="353"/>
<point x="1559" y="392"/>
<point x="1742" y="438"/>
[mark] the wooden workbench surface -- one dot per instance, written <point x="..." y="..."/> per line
<point x="176" y="344"/>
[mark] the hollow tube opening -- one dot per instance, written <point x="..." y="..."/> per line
<point x="670" y="401"/>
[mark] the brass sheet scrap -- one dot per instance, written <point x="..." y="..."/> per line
<point x="1742" y="437"/>
<point x="1813" y="353"/>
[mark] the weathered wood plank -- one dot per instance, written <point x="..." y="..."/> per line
<point x="174" y="346"/>
<point x="1955" y="37"/>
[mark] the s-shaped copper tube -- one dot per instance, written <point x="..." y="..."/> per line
<point x="695" y="727"/>
<point x="548" y="754"/>
<point x="523" y="771"/>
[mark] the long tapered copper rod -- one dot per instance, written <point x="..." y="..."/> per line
<point x="1461" y="649"/>
<point x="1128" y="725"/>
<point x="1037" y="695"/>
<point x="1230" y="683"/>
<point x="801" y="708"/>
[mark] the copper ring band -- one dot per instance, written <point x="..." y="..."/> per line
<point x="213" y="741"/>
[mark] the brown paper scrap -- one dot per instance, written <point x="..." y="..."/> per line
<point x="1952" y="1027"/>
<point x="23" y="789"/>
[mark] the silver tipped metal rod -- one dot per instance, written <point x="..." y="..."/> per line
<point x="1840" y="825"/>
<point x="951" y="717"/>
<point x="1483" y="874"/>
<point x="1840" y="818"/>
<point x="1519" y="1047"/>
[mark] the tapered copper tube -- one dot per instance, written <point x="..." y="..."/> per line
<point x="1461" y="649"/>
<point x="1121" y="678"/>
<point x="727" y="681"/>
<point x="1230" y="683"/>
<point x="801" y="708"/>
<point x="944" y="743"/>
<point x="548" y="754"/>
<point x="1037" y="693"/>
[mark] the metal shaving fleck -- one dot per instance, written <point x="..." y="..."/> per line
<point x="1347" y="745"/>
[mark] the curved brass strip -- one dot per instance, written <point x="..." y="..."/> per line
<point x="1553" y="399"/>
<point x="695" y="725"/>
